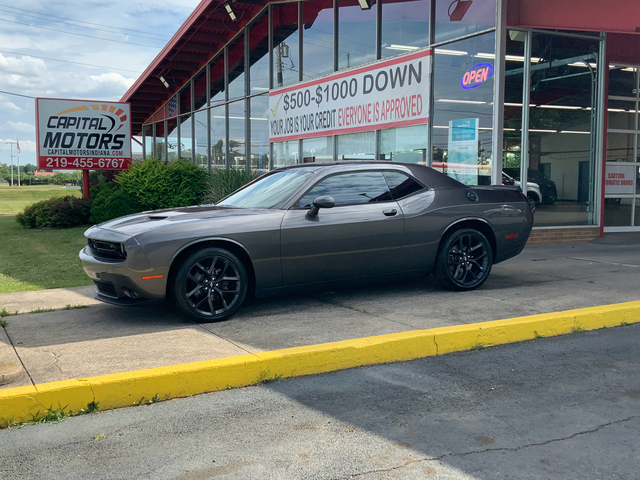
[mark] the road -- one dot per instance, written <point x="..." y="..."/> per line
<point x="553" y="408"/>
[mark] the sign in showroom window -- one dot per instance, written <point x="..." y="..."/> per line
<point x="619" y="180"/>
<point x="386" y="94"/>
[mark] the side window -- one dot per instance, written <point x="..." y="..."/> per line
<point x="350" y="189"/>
<point x="401" y="185"/>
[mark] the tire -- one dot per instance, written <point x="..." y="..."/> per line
<point x="532" y="203"/>
<point x="211" y="285"/>
<point x="464" y="260"/>
<point x="550" y="199"/>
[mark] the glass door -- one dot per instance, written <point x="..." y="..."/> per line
<point x="622" y="197"/>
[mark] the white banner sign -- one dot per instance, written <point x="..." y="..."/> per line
<point x="83" y="134"/>
<point x="619" y="179"/>
<point x="386" y="94"/>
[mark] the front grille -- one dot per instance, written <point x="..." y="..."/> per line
<point x="113" y="250"/>
<point x="106" y="288"/>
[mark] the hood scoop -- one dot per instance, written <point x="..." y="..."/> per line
<point x="157" y="217"/>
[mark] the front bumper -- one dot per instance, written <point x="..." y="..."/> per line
<point x="120" y="281"/>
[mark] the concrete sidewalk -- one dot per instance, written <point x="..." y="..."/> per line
<point x="104" y="339"/>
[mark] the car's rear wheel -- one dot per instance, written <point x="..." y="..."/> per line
<point x="464" y="260"/>
<point x="211" y="285"/>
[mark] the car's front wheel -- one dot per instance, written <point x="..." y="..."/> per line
<point x="211" y="285"/>
<point x="464" y="260"/>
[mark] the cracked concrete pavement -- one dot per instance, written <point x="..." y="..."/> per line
<point x="549" y="409"/>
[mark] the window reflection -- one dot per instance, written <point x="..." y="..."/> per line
<point x="285" y="41"/>
<point x="407" y="145"/>
<point x="357" y="146"/>
<point x="356" y="34"/>
<point x="237" y="151"/>
<point x="464" y="109"/>
<point x="200" y="134"/>
<point x="259" y="55"/>
<point x="350" y="189"/>
<point x="405" y="26"/>
<point x="317" y="38"/>
<point x="462" y="17"/>
<point x="235" y="60"/>
<point x="260" y="134"/>
<point x="218" y="137"/>
<point x="318" y="150"/>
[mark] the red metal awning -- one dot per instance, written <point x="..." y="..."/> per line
<point x="199" y="38"/>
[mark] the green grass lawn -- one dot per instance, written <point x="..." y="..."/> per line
<point x="14" y="199"/>
<point x="36" y="259"/>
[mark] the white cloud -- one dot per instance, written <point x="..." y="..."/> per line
<point x="19" y="127"/>
<point x="7" y="106"/>
<point x="110" y="66"/>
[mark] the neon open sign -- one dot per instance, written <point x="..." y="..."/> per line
<point x="476" y="76"/>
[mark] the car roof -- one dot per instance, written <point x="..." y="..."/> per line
<point x="428" y="176"/>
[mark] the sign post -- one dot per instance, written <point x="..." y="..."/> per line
<point x="83" y="135"/>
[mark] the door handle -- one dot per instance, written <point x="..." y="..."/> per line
<point x="389" y="213"/>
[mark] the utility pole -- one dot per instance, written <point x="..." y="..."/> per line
<point x="18" y="157"/>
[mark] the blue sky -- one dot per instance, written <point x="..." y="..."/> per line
<point x="75" y="49"/>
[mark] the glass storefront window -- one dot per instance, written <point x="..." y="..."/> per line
<point x="147" y="134"/>
<point x="235" y="62"/>
<point x="216" y="75"/>
<point x="259" y="134"/>
<point x="317" y="36"/>
<point x="172" y="140"/>
<point x="218" y="136"/>
<point x="286" y="65"/>
<point x="357" y="146"/>
<point x="317" y="150"/>
<point x="407" y="145"/>
<point x="259" y="55"/>
<point x="200" y="136"/>
<point x="560" y="136"/>
<point x="464" y="102"/>
<point x="405" y="26"/>
<point x="621" y="147"/>
<point x="237" y="150"/>
<point x="185" y="149"/>
<point x="462" y="17"/>
<point x="356" y="34"/>
<point x="623" y="80"/>
<point x="621" y="115"/>
<point x="184" y="99"/>
<point x="200" y="90"/>
<point x="285" y="153"/>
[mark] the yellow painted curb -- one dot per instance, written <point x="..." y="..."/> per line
<point x="142" y="386"/>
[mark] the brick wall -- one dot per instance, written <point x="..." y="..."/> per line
<point x="557" y="236"/>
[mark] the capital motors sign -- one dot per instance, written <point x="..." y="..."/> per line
<point x="476" y="76"/>
<point x="83" y="134"/>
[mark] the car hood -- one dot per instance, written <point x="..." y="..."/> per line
<point x="132" y="225"/>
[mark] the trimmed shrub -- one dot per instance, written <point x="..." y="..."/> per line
<point x="113" y="202"/>
<point x="71" y="213"/>
<point x="38" y="214"/>
<point x="224" y="182"/>
<point x="157" y="185"/>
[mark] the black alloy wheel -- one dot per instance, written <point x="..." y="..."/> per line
<point x="464" y="260"/>
<point x="211" y="285"/>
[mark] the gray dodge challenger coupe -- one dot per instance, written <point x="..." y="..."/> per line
<point x="308" y="227"/>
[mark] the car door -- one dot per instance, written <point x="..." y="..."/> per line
<point x="360" y="236"/>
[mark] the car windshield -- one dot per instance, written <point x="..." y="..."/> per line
<point x="268" y="191"/>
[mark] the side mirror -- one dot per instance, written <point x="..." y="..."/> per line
<point x="324" y="201"/>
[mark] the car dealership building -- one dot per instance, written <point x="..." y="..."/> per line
<point x="249" y="84"/>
